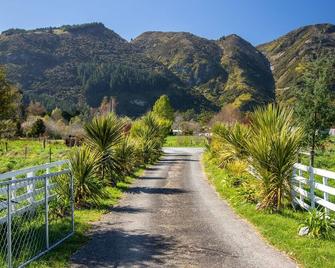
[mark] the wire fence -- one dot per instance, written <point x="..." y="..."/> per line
<point x="36" y="212"/>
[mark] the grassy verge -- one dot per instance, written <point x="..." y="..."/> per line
<point x="279" y="230"/>
<point x="60" y="256"/>
<point x="26" y="153"/>
<point x="185" y="141"/>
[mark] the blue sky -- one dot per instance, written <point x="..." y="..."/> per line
<point x="257" y="21"/>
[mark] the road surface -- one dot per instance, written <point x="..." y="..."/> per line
<point x="172" y="217"/>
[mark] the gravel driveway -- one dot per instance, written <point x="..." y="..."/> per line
<point x="172" y="217"/>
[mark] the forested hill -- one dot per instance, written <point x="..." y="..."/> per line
<point x="289" y="53"/>
<point x="71" y="66"/>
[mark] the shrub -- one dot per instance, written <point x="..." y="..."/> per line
<point x="270" y="145"/>
<point x="273" y="148"/>
<point x="102" y="135"/>
<point x="319" y="224"/>
<point x="84" y="169"/>
<point x="150" y="136"/>
<point x="38" y="128"/>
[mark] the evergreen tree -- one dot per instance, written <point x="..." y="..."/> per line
<point x="10" y="101"/>
<point x="314" y="106"/>
<point x="163" y="109"/>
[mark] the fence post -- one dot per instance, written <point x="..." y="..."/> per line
<point x="9" y="226"/>
<point x="312" y="186"/>
<point x="30" y="187"/>
<point x="72" y="200"/>
<point x="13" y="194"/>
<point x="325" y="194"/>
<point x="46" y="199"/>
<point x="292" y="184"/>
<point x="301" y="197"/>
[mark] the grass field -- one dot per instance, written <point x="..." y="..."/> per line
<point x="25" y="153"/>
<point x="280" y="229"/>
<point x="185" y="141"/>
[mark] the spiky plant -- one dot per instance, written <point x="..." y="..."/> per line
<point x="273" y="146"/>
<point x="83" y="167"/>
<point x="150" y="136"/>
<point x="232" y="139"/>
<point x="126" y="155"/>
<point x="102" y="135"/>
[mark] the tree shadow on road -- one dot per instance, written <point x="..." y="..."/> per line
<point x="127" y="209"/>
<point x="151" y="178"/>
<point x="148" y="190"/>
<point x="122" y="248"/>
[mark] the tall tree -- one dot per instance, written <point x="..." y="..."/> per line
<point x="10" y="101"/>
<point x="315" y="106"/>
<point x="163" y="109"/>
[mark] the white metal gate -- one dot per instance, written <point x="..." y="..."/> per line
<point x="36" y="212"/>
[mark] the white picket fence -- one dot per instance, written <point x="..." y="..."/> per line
<point x="310" y="187"/>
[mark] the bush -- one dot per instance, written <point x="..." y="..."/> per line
<point x="84" y="169"/>
<point x="38" y="128"/>
<point x="102" y="135"/>
<point x="270" y="145"/>
<point x="319" y="224"/>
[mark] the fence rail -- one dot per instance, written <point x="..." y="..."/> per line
<point x="36" y="212"/>
<point x="313" y="187"/>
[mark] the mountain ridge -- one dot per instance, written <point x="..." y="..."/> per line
<point x="75" y="65"/>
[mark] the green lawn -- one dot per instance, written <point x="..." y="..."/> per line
<point x="281" y="230"/>
<point x="25" y="153"/>
<point x="185" y="141"/>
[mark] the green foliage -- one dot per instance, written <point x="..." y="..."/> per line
<point x="37" y="129"/>
<point x="185" y="141"/>
<point x="163" y="109"/>
<point x="233" y="139"/>
<point x="127" y="154"/>
<point x="103" y="133"/>
<point x="319" y="224"/>
<point x="273" y="148"/>
<point x="314" y="105"/>
<point x="10" y="101"/>
<point x="10" y="98"/>
<point x="150" y="137"/>
<point x="7" y="129"/>
<point x="87" y="186"/>
<point x="270" y="145"/>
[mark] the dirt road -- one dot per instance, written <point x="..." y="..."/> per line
<point x="172" y="217"/>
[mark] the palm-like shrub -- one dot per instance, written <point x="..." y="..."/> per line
<point x="232" y="140"/>
<point x="272" y="149"/>
<point x="102" y="135"/>
<point x="150" y="136"/>
<point x="83" y="167"/>
<point x="270" y="145"/>
<point x="126" y="153"/>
